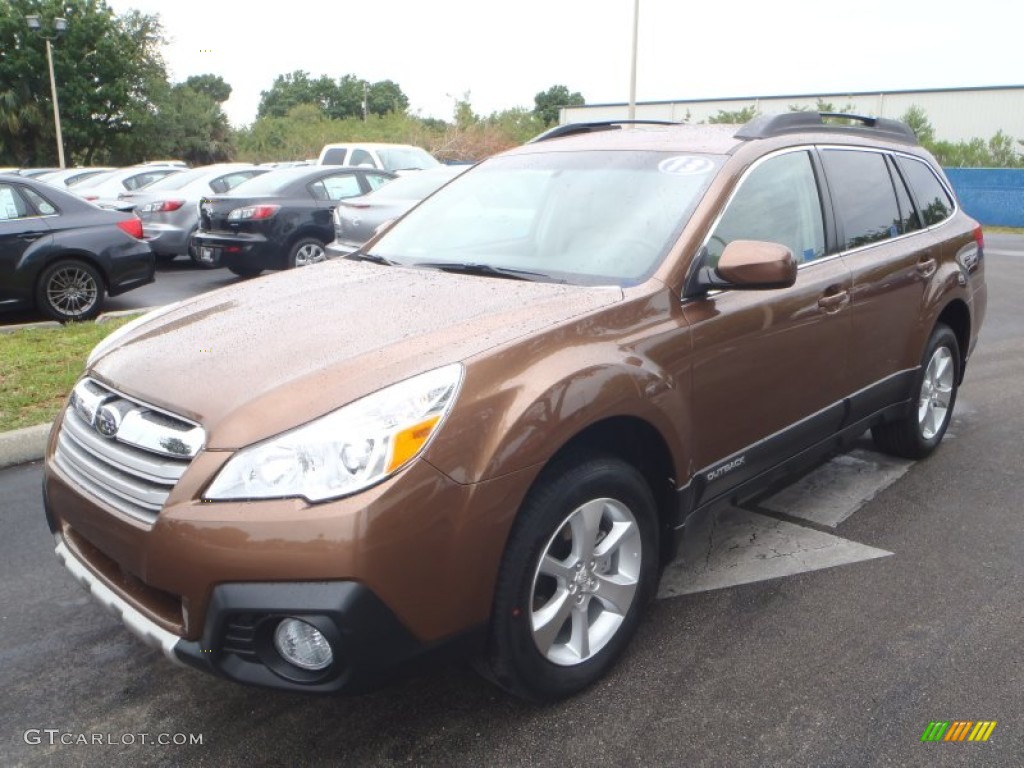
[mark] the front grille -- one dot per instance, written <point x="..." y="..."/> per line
<point x="123" y="452"/>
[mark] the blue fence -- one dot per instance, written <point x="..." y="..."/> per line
<point x="993" y="196"/>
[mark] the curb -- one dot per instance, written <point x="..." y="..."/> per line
<point x="99" y="320"/>
<point x="23" y="445"/>
<point x="29" y="443"/>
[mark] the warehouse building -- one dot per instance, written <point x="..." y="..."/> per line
<point x="956" y="114"/>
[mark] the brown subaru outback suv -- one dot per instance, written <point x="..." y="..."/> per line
<point x="494" y="423"/>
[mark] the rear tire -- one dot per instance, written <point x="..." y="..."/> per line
<point x="306" y="251"/>
<point x="919" y="433"/>
<point x="580" y="565"/>
<point x="245" y="272"/>
<point x="70" y="291"/>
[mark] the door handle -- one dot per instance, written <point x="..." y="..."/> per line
<point x="30" y="235"/>
<point x="926" y="266"/>
<point x="833" y="302"/>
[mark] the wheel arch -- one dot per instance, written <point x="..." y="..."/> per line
<point x="957" y="316"/>
<point x="640" y="444"/>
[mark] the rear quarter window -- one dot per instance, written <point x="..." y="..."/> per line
<point x="934" y="202"/>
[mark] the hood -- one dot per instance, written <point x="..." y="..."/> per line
<point x="260" y="357"/>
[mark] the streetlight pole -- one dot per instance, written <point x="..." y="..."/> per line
<point x="59" y="26"/>
<point x="632" y="71"/>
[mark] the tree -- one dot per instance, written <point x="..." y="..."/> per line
<point x="916" y="118"/>
<point x="105" y="66"/>
<point x="336" y="100"/>
<point x="289" y="91"/>
<point x="385" y="97"/>
<point x="193" y="127"/>
<point x="734" y="117"/>
<point x="547" y="103"/>
<point x="213" y="86"/>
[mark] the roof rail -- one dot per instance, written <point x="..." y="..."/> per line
<point x="601" y="125"/>
<point x="765" y="126"/>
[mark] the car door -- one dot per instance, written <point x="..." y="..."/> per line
<point x="769" y="367"/>
<point x="21" y="227"/>
<point x="327" y="191"/>
<point x="891" y="261"/>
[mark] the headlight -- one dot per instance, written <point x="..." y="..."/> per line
<point x="346" y="450"/>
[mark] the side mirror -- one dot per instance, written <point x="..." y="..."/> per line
<point x="750" y="265"/>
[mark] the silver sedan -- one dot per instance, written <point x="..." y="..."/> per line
<point x="169" y="209"/>
<point x="357" y="219"/>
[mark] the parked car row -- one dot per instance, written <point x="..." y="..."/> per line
<point x="245" y="217"/>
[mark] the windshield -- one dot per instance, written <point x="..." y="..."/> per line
<point x="403" y="158"/>
<point x="601" y="217"/>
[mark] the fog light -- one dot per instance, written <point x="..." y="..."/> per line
<point x="303" y="645"/>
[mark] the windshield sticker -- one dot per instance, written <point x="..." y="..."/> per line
<point x="686" y="165"/>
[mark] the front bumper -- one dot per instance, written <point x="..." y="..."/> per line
<point x="338" y="249"/>
<point x="367" y="639"/>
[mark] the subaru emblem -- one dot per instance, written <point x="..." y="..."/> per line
<point x="108" y="421"/>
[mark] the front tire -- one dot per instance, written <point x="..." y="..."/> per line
<point x="70" y="291"/>
<point x="580" y="565"/>
<point x="919" y="433"/>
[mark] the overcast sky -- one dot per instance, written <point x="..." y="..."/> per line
<point x="504" y="53"/>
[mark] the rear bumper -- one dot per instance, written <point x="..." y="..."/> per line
<point x="131" y="267"/>
<point x="241" y="250"/>
<point x="166" y="238"/>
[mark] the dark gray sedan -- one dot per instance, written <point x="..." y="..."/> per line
<point x="357" y="219"/>
<point x="60" y="254"/>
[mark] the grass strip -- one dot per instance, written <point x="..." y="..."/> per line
<point x="39" y="366"/>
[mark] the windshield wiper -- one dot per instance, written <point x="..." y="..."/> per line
<point x="487" y="270"/>
<point x="359" y="255"/>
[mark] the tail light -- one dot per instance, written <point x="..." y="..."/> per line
<point x="253" y="212"/>
<point x="979" y="237"/>
<point x="161" y="206"/>
<point x="132" y="226"/>
<point x="92" y="198"/>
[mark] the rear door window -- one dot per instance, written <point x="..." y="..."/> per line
<point x="908" y="215"/>
<point x="863" y="196"/>
<point x="933" y="200"/>
<point x="340" y="187"/>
